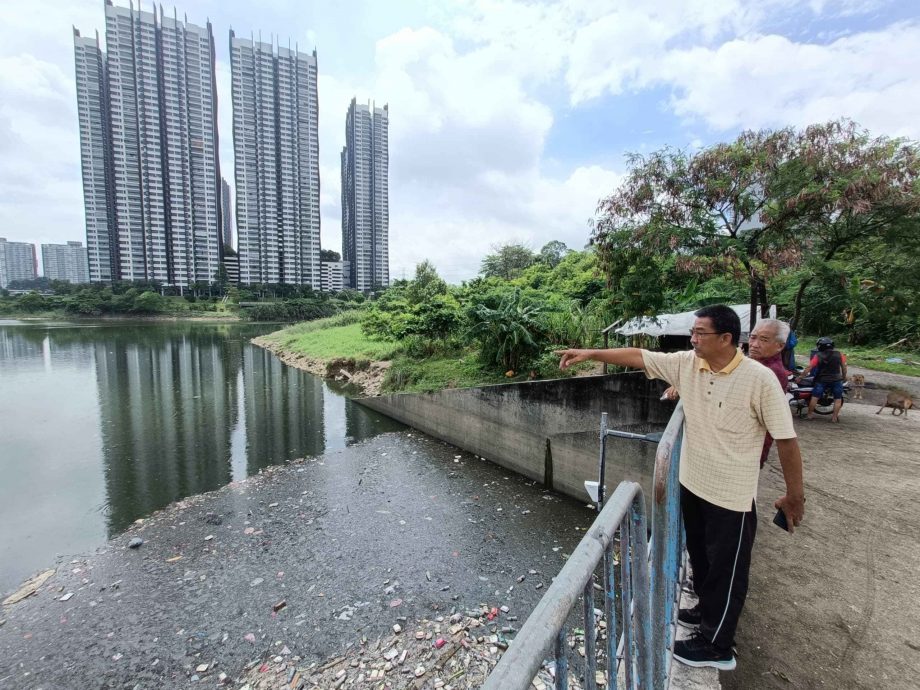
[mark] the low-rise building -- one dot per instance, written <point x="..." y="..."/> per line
<point x="334" y="275"/>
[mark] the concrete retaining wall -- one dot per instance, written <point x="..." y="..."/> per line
<point x="545" y="430"/>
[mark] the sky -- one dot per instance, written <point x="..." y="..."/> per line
<point x="509" y="119"/>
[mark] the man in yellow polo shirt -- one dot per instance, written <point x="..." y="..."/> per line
<point x="730" y="402"/>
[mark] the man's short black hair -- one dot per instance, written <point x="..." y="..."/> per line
<point x="724" y="320"/>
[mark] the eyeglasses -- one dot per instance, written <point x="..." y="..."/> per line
<point x="700" y="334"/>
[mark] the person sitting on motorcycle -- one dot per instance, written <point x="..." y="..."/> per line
<point x="829" y="367"/>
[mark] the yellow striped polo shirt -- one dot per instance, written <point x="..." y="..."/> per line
<point x="727" y="414"/>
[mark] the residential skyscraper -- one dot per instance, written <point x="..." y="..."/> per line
<point x="276" y="152"/>
<point x="65" y="262"/>
<point x="226" y="214"/>
<point x="148" y="135"/>
<point x="96" y="157"/>
<point x="17" y="262"/>
<point x="365" y="196"/>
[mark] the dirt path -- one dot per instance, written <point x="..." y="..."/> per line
<point x="836" y="604"/>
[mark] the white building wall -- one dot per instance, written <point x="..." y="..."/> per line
<point x="65" y="262"/>
<point x="17" y="261"/>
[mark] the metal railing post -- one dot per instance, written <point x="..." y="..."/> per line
<point x="610" y="613"/>
<point x="590" y="637"/>
<point x="667" y="546"/>
<point x="562" y="662"/>
<point x="641" y="608"/>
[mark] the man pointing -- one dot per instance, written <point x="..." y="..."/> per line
<point x="730" y="402"/>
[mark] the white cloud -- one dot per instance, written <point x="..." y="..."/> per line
<point x="722" y="71"/>
<point x="466" y="146"/>
<point x="475" y="88"/>
<point x="766" y="81"/>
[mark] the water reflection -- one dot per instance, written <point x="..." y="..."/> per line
<point x="101" y="424"/>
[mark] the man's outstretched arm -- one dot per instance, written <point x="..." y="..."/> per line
<point x="621" y="357"/>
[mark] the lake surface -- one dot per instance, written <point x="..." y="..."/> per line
<point x="105" y="422"/>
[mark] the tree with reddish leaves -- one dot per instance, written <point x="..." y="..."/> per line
<point x="857" y="190"/>
<point x="766" y="202"/>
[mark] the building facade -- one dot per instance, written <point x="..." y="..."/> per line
<point x="65" y="262"/>
<point x="17" y="262"/>
<point x="226" y="213"/>
<point x="149" y="149"/>
<point x="334" y="275"/>
<point x="276" y="153"/>
<point x="365" y="196"/>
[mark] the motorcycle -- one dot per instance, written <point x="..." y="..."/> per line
<point x="799" y="395"/>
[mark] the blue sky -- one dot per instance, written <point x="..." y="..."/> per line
<point x="509" y="118"/>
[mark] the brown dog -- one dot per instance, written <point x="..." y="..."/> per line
<point x="899" y="402"/>
<point x="859" y="383"/>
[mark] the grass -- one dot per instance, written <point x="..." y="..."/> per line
<point x="340" y="337"/>
<point x="869" y="356"/>
<point x="323" y="340"/>
<point x="457" y="370"/>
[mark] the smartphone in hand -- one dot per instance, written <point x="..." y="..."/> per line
<point x="780" y="519"/>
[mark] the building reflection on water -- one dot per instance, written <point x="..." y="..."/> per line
<point x="183" y="408"/>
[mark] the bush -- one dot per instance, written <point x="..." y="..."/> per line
<point x="148" y="303"/>
<point x="509" y="334"/>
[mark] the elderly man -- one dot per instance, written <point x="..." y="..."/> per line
<point x="766" y="344"/>
<point x="730" y="402"/>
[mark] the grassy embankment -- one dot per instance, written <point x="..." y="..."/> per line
<point x="869" y="356"/>
<point x="340" y="337"/>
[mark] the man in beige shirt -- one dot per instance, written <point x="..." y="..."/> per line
<point x="730" y="402"/>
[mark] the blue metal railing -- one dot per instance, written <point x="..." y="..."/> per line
<point x="649" y="584"/>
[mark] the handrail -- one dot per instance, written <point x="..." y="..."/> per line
<point x="650" y="585"/>
<point x="539" y="634"/>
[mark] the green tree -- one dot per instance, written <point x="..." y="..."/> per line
<point x="723" y="209"/>
<point x="426" y="284"/>
<point x="507" y="261"/>
<point x="437" y="318"/>
<point x="858" y="189"/>
<point x="148" y="302"/>
<point x="552" y="253"/>
<point x="32" y="302"/>
<point x="329" y="255"/>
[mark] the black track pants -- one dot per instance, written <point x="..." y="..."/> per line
<point x="719" y="542"/>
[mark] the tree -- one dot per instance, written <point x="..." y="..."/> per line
<point x="32" y="302"/>
<point x="769" y="201"/>
<point x="858" y="188"/>
<point x="507" y="261"/>
<point x="148" y="303"/>
<point x="426" y="284"/>
<point x="723" y="209"/>
<point x="552" y="253"/>
<point x="329" y="255"/>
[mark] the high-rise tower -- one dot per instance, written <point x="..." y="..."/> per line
<point x="365" y="196"/>
<point x="149" y="148"/>
<point x="276" y="152"/>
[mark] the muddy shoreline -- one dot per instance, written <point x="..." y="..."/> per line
<point x="368" y="380"/>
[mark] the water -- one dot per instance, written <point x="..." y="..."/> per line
<point x="103" y="423"/>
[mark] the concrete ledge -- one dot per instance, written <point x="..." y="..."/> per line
<point x="544" y="430"/>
